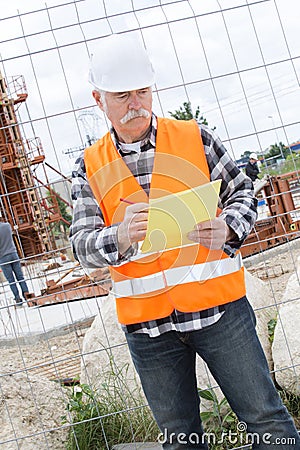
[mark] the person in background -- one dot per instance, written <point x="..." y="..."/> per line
<point x="251" y="168"/>
<point x="183" y="301"/>
<point x="10" y="263"/>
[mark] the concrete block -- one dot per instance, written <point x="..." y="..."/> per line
<point x="138" y="446"/>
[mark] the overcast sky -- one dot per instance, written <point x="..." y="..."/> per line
<point x="241" y="65"/>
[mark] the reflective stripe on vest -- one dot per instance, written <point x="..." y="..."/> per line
<point x="176" y="276"/>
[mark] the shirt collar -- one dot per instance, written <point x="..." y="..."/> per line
<point x="150" y="138"/>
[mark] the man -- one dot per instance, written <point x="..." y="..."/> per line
<point x="179" y="302"/>
<point x="10" y="263"/>
<point x="251" y="168"/>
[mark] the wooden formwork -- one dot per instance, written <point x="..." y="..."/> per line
<point x="96" y="284"/>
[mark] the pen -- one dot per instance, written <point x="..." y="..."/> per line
<point x="126" y="201"/>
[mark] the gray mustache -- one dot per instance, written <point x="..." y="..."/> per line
<point x="132" y="114"/>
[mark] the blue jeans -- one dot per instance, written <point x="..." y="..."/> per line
<point x="232" y="351"/>
<point x="12" y="270"/>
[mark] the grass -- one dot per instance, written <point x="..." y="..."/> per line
<point x="111" y="415"/>
<point x="289" y="165"/>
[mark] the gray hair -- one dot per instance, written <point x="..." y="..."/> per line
<point x="102" y="98"/>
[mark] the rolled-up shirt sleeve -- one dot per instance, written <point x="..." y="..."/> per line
<point x="237" y="201"/>
<point x="94" y="244"/>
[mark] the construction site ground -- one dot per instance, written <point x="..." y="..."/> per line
<point x="58" y="356"/>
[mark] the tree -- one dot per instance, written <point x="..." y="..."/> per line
<point x="64" y="213"/>
<point x="277" y="150"/>
<point x="246" y="154"/>
<point x="185" y="113"/>
<point x="62" y="206"/>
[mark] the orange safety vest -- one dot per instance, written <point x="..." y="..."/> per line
<point x="189" y="278"/>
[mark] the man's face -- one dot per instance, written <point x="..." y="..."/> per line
<point x="129" y="112"/>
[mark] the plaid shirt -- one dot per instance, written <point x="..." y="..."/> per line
<point x="95" y="245"/>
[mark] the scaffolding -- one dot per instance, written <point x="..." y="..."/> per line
<point x="280" y="197"/>
<point x="22" y="203"/>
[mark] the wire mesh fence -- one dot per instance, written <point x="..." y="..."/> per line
<point x="66" y="378"/>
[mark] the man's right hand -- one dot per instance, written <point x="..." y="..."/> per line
<point x="133" y="227"/>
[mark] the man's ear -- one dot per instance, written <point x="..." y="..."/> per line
<point x="97" y="97"/>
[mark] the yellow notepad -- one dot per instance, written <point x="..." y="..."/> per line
<point x="173" y="216"/>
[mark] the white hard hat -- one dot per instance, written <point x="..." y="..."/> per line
<point x="253" y="156"/>
<point x="121" y="64"/>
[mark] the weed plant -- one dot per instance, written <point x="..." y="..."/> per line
<point x="222" y="427"/>
<point x="292" y="402"/>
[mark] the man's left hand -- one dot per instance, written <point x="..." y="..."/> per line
<point x="211" y="234"/>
